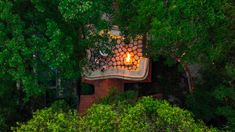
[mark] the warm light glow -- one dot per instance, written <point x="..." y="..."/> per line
<point x="128" y="60"/>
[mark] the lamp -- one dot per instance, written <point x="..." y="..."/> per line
<point x="128" y="59"/>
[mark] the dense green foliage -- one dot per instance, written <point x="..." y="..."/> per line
<point x="56" y="118"/>
<point x="39" y="37"/>
<point x="42" y="41"/>
<point x="217" y="90"/>
<point x="176" y="27"/>
<point x="144" y="115"/>
<point x="201" y="32"/>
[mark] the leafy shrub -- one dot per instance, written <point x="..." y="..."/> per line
<point x="115" y="96"/>
<point x="99" y="118"/>
<point x="154" y="115"/>
<point x="171" y="118"/>
<point x="120" y="101"/>
<point x="57" y="118"/>
<point x="135" y="119"/>
<point x="148" y="114"/>
<point x="145" y="115"/>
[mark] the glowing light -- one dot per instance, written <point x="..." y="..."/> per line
<point x="128" y="59"/>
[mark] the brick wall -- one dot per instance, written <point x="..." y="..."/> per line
<point x="102" y="88"/>
<point x="85" y="102"/>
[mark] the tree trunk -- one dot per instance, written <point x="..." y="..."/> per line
<point x="189" y="77"/>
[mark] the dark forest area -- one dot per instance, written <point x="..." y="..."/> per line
<point x="43" y="52"/>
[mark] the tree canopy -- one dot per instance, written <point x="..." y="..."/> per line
<point x="45" y="40"/>
<point x="39" y="37"/>
<point x="144" y="115"/>
<point x="196" y="32"/>
<point x="41" y="41"/>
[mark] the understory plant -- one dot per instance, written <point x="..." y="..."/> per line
<point x="117" y="114"/>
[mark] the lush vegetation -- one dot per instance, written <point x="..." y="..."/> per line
<point x="58" y="117"/>
<point x="42" y="43"/>
<point x="197" y="32"/>
<point x="45" y="40"/>
<point x="116" y="113"/>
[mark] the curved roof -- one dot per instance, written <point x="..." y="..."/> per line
<point x="139" y="74"/>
